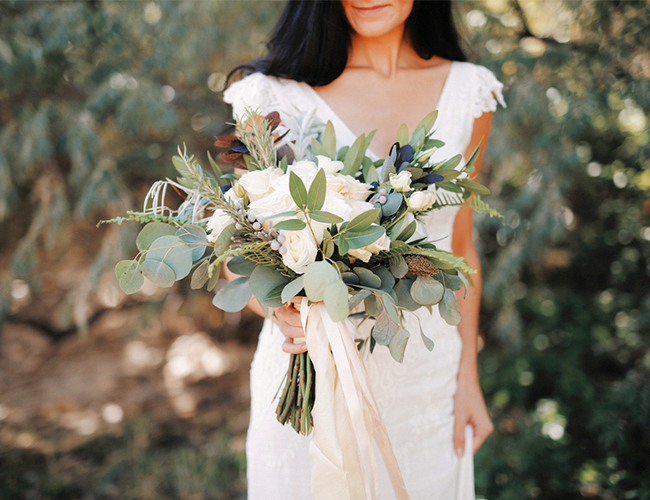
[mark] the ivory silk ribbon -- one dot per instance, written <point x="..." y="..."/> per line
<point x="346" y="417"/>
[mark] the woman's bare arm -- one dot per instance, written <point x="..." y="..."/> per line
<point x="469" y="403"/>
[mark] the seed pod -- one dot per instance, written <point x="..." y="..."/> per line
<point x="420" y="265"/>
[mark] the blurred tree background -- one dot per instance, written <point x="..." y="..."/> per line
<point x="104" y="396"/>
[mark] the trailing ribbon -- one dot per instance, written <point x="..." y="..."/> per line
<point x="346" y="418"/>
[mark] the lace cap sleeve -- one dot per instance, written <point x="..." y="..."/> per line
<point x="252" y="92"/>
<point x="489" y="92"/>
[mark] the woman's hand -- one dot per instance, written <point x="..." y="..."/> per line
<point x="288" y="320"/>
<point x="469" y="408"/>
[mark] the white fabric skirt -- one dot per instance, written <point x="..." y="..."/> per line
<point x="416" y="402"/>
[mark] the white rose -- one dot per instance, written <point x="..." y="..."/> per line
<point x="364" y="254"/>
<point x="421" y="200"/>
<point x="336" y="204"/>
<point x="401" y="181"/>
<point x="231" y="196"/>
<point x="301" y="248"/>
<point x="330" y="166"/>
<point x="219" y="220"/>
<point x="273" y="204"/>
<point x="305" y="169"/>
<point x="348" y="186"/>
<point x="258" y="182"/>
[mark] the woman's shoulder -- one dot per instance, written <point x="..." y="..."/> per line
<point x="482" y="89"/>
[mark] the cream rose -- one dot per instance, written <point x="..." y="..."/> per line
<point x="258" y="183"/>
<point x="219" y="220"/>
<point x="364" y="254"/>
<point x="273" y="204"/>
<point x="359" y="207"/>
<point x="348" y="186"/>
<point x="330" y="166"/>
<point x="401" y="181"/>
<point x="421" y="200"/>
<point x="301" y="248"/>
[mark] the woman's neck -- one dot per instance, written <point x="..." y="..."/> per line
<point x="384" y="54"/>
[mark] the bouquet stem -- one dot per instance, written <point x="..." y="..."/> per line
<point x="297" y="400"/>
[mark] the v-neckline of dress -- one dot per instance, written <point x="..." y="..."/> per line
<point x="340" y="125"/>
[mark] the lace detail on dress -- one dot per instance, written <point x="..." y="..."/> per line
<point x="254" y="92"/>
<point x="489" y="92"/>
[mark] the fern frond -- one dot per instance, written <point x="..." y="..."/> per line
<point x="475" y="202"/>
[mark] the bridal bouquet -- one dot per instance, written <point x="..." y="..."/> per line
<point x="309" y="220"/>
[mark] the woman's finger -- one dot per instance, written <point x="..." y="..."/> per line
<point x="291" y="348"/>
<point x="460" y="422"/>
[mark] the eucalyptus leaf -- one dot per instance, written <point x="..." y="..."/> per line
<point x="262" y="281"/>
<point x="354" y="156"/>
<point x="452" y="281"/>
<point x="152" y="232"/>
<point x="317" y="191"/>
<point x="449" y="186"/>
<point x="398" y="266"/>
<point x="131" y="281"/>
<point x="387" y="168"/>
<point x="318" y="276"/>
<point x="125" y="265"/>
<point x="452" y="162"/>
<point x="329" y="141"/>
<point x="217" y="171"/>
<point x="428" y="343"/>
<point x="298" y="190"/>
<point x="402" y="290"/>
<point x="402" y="135"/>
<point x="350" y="278"/>
<point x="343" y="244"/>
<point x="201" y="275"/>
<point x="291" y="225"/>
<point x="241" y="265"/>
<point x="174" y="252"/>
<point x="224" y="239"/>
<point x="465" y="282"/>
<point x="390" y="307"/>
<point x="408" y="231"/>
<point x="325" y="217"/>
<point x="328" y="250"/>
<point x="384" y="329"/>
<point x="159" y="273"/>
<point x="374" y="306"/>
<point x="472" y="186"/>
<point x="426" y="290"/>
<point x="387" y="279"/>
<point x="357" y="297"/>
<point x="397" y="345"/>
<point x="367" y="277"/>
<point x="195" y="237"/>
<point x="364" y="238"/>
<point x="393" y="202"/>
<point x="363" y="220"/>
<point x="317" y="148"/>
<point x="214" y="279"/>
<point x="335" y="296"/>
<point x="234" y="295"/>
<point x="448" y="308"/>
<point x="289" y="213"/>
<point x="292" y="289"/>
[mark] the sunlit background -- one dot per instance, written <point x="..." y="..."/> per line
<point x="104" y="396"/>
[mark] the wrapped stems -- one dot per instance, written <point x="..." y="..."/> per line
<point x="298" y="395"/>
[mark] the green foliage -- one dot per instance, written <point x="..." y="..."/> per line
<point x="94" y="97"/>
<point x="566" y="309"/>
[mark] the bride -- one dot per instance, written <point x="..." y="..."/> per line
<point x="366" y="64"/>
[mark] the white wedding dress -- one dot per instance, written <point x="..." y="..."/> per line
<point x="415" y="397"/>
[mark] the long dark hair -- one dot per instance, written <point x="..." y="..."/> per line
<point x="311" y="39"/>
